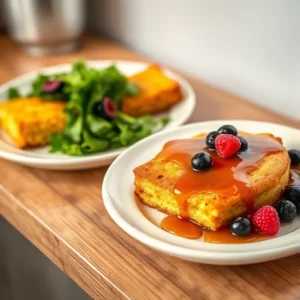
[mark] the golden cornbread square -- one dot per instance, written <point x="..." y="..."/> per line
<point x="30" y="122"/>
<point x="155" y="180"/>
<point x="157" y="93"/>
<point x="16" y="105"/>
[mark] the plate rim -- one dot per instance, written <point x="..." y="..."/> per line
<point x="94" y="159"/>
<point x="228" y="257"/>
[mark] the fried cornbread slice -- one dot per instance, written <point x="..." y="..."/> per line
<point x="16" y="105"/>
<point x="154" y="182"/>
<point x="29" y="122"/>
<point x="157" y="93"/>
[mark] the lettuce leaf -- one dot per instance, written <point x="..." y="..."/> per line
<point x="86" y="133"/>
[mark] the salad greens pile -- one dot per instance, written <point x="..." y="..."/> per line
<point x="85" y="132"/>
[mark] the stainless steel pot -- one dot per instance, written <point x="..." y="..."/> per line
<point x="45" y="26"/>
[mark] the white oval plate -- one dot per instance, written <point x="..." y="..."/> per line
<point x="142" y="222"/>
<point x="41" y="158"/>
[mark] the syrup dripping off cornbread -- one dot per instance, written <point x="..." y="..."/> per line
<point x="182" y="227"/>
<point x="226" y="177"/>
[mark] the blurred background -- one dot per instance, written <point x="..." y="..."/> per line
<point x="250" y="48"/>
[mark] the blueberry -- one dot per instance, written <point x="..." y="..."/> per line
<point x="105" y="109"/>
<point x="227" y="129"/>
<point x="294" y="156"/>
<point x="244" y="144"/>
<point x="240" y="226"/>
<point x="210" y="140"/>
<point x="201" y="161"/>
<point x="286" y="210"/>
<point x="53" y="86"/>
<point x="292" y="193"/>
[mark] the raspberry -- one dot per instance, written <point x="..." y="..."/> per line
<point x="227" y="145"/>
<point x="266" y="220"/>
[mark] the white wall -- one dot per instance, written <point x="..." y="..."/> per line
<point x="250" y="47"/>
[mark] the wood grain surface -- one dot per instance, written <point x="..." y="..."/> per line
<point x="62" y="213"/>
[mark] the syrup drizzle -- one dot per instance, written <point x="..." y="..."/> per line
<point x="182" y="227"/>
<point x="224" y="236"/>
<point x="227" y="177"/>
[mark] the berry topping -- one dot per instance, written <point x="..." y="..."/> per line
<point x="266" y="220"/>
<point x="210" y="140"/>
<point x="227" y="145"/>
<point x="201" y="161"/>
<point x="292" y="193"/>
<point x="244" y="144"/>
<point x="294" y="156"/>
<point x="240" y="226"/>
<point x="105" y="109"/>
<point x="227" y="129"/>
<point x="53" y="86"/>
<point x="286" y="210"/>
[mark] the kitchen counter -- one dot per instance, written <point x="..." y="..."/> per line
<point x="62" y="213"/>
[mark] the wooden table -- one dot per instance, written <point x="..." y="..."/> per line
<point x="62" y="213"/>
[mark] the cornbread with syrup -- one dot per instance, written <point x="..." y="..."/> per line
<point x="29" y="122"/>
<point x="233" y="187"/>
<point x="157" y="93"/>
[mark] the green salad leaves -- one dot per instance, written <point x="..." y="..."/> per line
<point x="85" y="132"/>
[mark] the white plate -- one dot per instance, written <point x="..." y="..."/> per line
<point x="142" y="222"/>
<point x="42" y="159"/>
